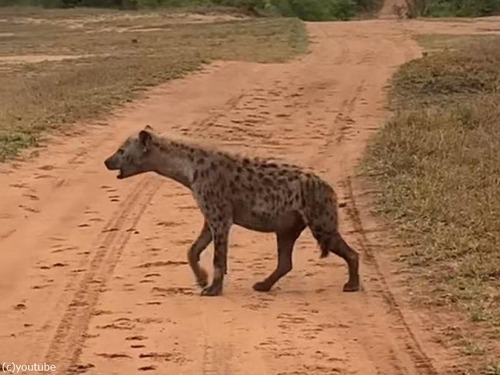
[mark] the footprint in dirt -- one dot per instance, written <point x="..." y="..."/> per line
<point x="59" y="264"/>
<point x="148" y="278"/>
<point x="167" y="224"/>
<point x="81" y="368"/>
<point x="146" y="320"/>
<point x="137" y="346"/>
<point x="102" y="312"/>
<point x="40" y="176"/>
<point x="121" y="324"/>
<point x="111" y="190"/>
<point x="128" y="287"/>
<point x="256" y="306"/>
<point x="163" y="292"/>
<point x="163" y="263"/>
<point x="33" y="197"/>
<point x="113" y="355"/>
<point x="136" y="338"/>
<point x="156" y="356"/>
<point x="20" y="185"/>
<point x="154" y="250"/>
<point x="114" y="198"/>
<point x="36" y="287"/>
<point x="20" y="306"/>
<point x="29" y="209"/>
<point x="147" y="368"/>
<point x="59" y="248"/>
<point x="148" y="275"/>
<point x="46" y="167"/>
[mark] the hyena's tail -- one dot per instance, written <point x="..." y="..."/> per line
<point x="320" y="208"/>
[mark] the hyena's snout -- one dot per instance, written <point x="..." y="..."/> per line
<point x="111" y="163"/>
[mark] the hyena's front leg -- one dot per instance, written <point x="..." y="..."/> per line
<point x="201" y="243"/>
<point x="221" y="235"/>
<point x="218" y="216"/>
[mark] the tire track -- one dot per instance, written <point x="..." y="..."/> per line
<point x="341" y="126"/>
<point x="411" y="344"/>
<point x="216" y="355"/>
<point x="343" y="118"/>
<point x="66" y="345"/>
<point x="208" y="122"/>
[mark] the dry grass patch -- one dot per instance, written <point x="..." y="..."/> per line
<point x="438" y="166"/>
<point x="117" y="55"/>
<point x="450" y="42"/>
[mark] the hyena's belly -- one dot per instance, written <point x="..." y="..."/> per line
<point x="254" y="220"/>
<point x="263" y="216"/>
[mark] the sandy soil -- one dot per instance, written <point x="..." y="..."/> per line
<point x="93" y="276"/>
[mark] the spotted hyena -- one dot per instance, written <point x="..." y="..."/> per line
<point x="253" y="193"/>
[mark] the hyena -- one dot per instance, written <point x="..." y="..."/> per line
<point x="254" y="193"/>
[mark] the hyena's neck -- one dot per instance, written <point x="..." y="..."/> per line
<point x="176" y="160"/>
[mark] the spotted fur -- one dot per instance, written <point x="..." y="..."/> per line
<point x="253" y="193"/>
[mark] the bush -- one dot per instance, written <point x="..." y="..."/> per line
<point x="453" y="8"/>
<point x="322" y="10"/>
<point x="308" y="10"/>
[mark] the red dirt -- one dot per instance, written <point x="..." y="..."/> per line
<point x="93" y="275"/>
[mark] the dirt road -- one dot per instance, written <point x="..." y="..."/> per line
<point x="93" y="271"/>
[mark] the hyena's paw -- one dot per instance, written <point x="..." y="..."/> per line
<point x="202" y="278"/>
<point x="213" y="290"/>
<point x="262" y="286"/>
<point x="351" y="287"/>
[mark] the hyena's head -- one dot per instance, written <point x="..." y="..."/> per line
<point x="134" y="156"/>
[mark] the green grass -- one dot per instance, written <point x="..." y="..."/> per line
<point x="36" y="97"/>
<point x="437" y="163"/>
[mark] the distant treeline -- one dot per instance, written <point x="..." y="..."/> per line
<point x="452" y="8"/>
<point x="309" y="10"/>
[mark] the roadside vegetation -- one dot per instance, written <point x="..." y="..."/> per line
<point x="437" y="164"/>
<point x="310" y="10"/>
<point x="452" y="8"/>
<point x="62" y="66"/>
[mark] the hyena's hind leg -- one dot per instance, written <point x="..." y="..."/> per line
<point x="289" y="230"/>
<point x="323" y="225"/>
<point x="200" y="244"/>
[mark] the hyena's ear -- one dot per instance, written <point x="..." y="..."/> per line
<point x="146" y="139"/>
<point x="149" y="127"/>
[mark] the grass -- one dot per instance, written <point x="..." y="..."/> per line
<point x="439" y="42"/>
<point x="493" y="369"/>
<point x="109" y="68"/>
<point x="308" y="10"/>
<point x="437" y="163"/>
<point x="452" y="8"/>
